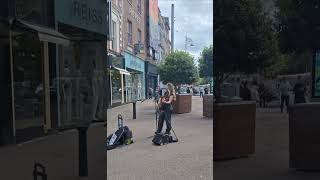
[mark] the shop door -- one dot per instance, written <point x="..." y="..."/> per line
<point x="28" y="86"/>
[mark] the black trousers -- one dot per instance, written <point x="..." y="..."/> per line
<point x="201" y="94"/>
<point x="164" y="116"/>
<point x="284" y="99"/>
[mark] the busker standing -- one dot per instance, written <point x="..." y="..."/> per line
<point x="165" y="108"/>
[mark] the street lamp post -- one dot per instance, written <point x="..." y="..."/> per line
<point x="187" y="40"/>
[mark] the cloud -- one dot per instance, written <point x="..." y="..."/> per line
<point x="193" y="18"/>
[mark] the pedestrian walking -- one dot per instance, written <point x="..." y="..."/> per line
<point x="165" y="108"/>
<point x="156" y="95"/>
<point x="201" y="92"/>
<point x="254" y="92"/>
<point x="299" y="91"/>
<point x="262" y="95"/>
<point x="284" y="88"/>
<point x="150" y="92"/>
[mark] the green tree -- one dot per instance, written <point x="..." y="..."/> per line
<point x="298" y="27"/>
<point x="178" y="68"/>
<point x="244" y="39"/>
<point x="206" y="63"/>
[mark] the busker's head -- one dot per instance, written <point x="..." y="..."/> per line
<point x="170" y="88"/>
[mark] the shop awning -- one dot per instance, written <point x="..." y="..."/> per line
<point x="122" y="71"/>
<point x="47" y="34"/>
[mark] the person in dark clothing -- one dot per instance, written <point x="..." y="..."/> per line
<point x="299" y="91"/>
<point x="262" y="95"/>
<point x="206" y="91"/>
<point x="165" y="108"/>
<point x="188" y="90"/>
<point x="245" y="93"/>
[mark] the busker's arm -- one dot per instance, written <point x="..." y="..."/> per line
<point x="160" y="102"/>
<point x="168" y="102"/>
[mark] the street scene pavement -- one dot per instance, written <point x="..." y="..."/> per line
<point x="58" y="153"/>
<point x="189" y="159"/>
<point x="271" y="159"/>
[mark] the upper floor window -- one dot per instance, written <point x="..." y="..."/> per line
<point x="129" y="32"/>
<point x="114" y="34"/>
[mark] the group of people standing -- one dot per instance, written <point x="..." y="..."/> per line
<point x="262" y="94"/>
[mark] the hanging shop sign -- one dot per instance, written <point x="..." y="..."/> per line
<point x="90" y="15"/>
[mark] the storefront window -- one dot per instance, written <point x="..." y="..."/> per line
<point x="116" y="86"/>
<point x="28" y="81"/>
<point x="135" y="88"/>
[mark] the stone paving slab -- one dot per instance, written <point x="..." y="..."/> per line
<point x="58" y="153"/>
<point x="189" y="159"/>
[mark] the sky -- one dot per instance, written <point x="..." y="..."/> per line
<point x="192" y="17"/>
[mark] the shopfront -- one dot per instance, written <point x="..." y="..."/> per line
<point x="135" y="82"/>
<point x="26" y="55"/>
<point x="82" y="66"/>
<point x="117" y="78"/>
<point x="151" y="77"/>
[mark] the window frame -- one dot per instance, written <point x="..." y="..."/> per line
<point x="129" y="32"/>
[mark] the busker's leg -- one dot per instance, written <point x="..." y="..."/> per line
<point x="160" y="122"/>
<point x="168" y="121"/>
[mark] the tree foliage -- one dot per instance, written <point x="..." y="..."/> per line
<point x="178" y="68"/>
<point x="206" y="62"/>
<point x="298" y="25"/>
<point x="244" y="38"/>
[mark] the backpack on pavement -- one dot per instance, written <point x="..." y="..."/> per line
<point x="123" y="136"/>
<point x="162" y="139"/>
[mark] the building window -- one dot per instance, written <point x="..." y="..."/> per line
<point x="114" y="31"/>
<point x="129" y="32"/>
<point x="139" y="7"/>
<point x="139" y="36"/>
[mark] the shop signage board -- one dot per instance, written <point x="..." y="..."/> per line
<point x="134" y="62"/>
<point x="90" y="15"/>
<point x="316" y="75"/>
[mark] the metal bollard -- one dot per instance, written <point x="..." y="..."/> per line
<point x="83" y="154"/>
<point x="37" y="173"/>
<point x="134" y="110"/>
<point x="120" y="121"/>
